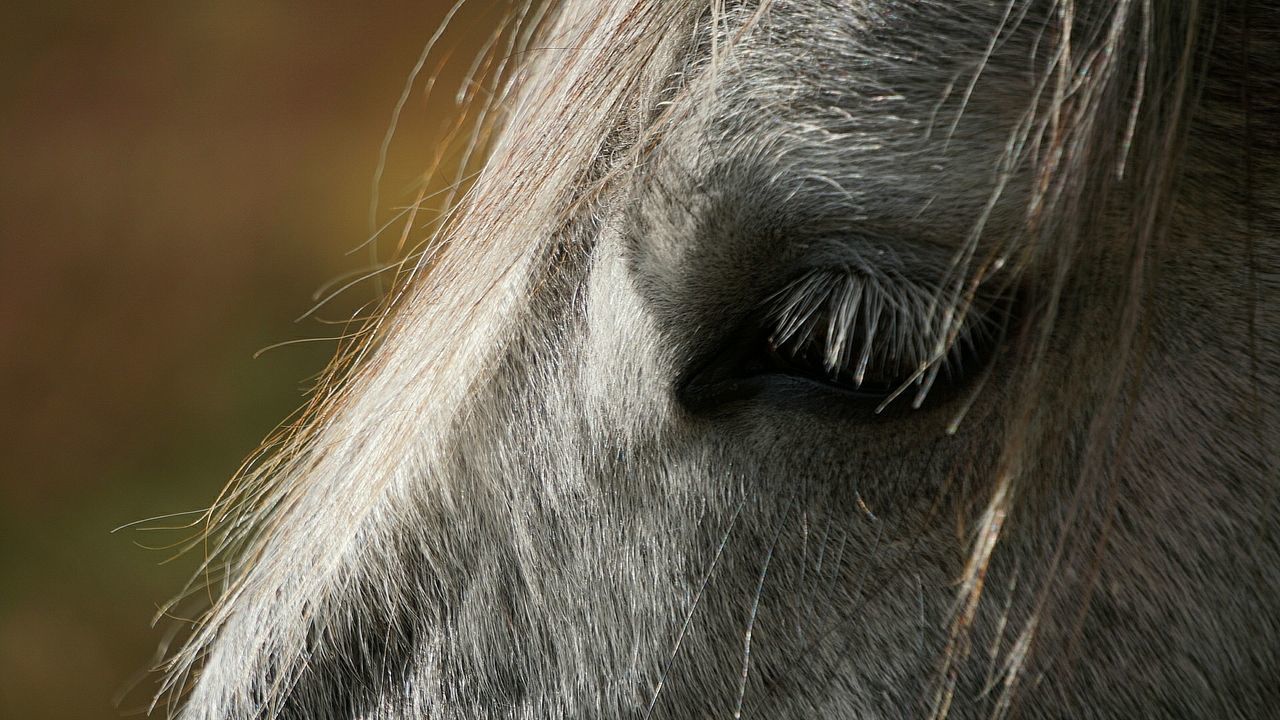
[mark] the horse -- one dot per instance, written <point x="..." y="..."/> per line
<point x="800" y="358"/>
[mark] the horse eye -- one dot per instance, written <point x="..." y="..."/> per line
<point x="875" y="373"/>
<point x="849" y="338"/>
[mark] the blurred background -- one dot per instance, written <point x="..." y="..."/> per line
<point x="178" y="179"/>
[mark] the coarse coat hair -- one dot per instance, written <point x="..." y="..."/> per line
<point x="1014" y="266"/>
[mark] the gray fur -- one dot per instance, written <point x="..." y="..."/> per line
<point x="505" y="508"/>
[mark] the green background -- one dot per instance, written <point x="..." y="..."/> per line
<point x="177" y="179"/>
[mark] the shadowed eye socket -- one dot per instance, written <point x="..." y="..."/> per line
<point x="853" y="337"/>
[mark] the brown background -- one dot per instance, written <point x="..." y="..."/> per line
<point x="177" y="179"/>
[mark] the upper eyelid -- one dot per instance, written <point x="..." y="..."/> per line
<point x="854" y="294"/>
<point x="859" y="316"/>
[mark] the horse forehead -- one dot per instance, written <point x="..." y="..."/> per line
<point x="848" y="121"/>
<point x="898" y="107"/>
<point x="847" y="39"/>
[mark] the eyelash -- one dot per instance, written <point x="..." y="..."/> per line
<point x="874" y="335"/>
